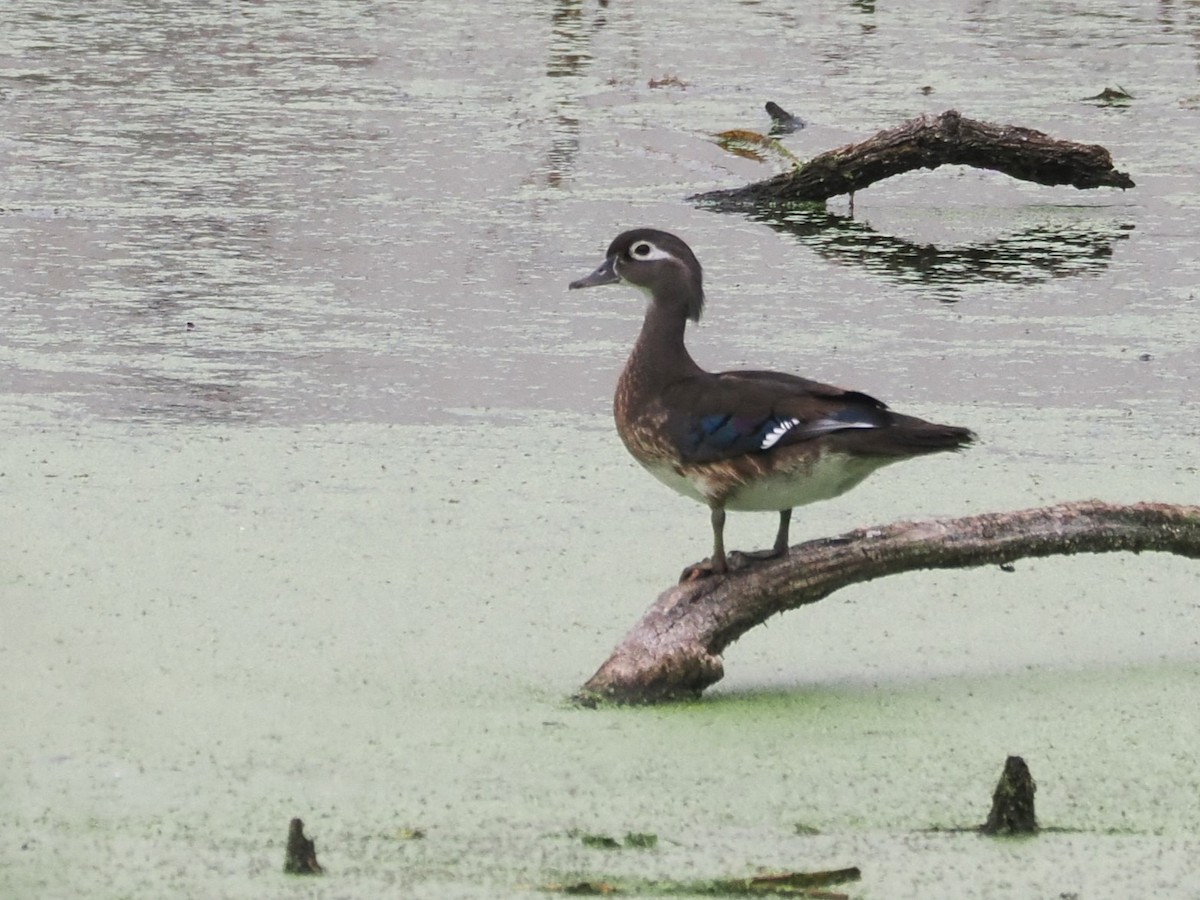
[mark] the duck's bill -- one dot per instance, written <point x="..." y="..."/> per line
<point x="605" y="274"/>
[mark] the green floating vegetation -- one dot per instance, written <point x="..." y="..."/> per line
<point x="755" y="146"/>
<point x="780" y="884"/>
<point x="633" y="839"/>
<point x="599" y="842"/>
<point x="641" y="841"/>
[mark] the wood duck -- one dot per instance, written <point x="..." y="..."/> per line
<point x="742" y="440"/>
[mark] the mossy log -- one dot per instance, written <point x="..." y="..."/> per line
<point x="675" y="650"/>
<point x="928" y="142"/>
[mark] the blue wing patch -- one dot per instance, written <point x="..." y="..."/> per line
<point x="720" y="436"/>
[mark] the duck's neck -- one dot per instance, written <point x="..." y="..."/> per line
<point x="659" y="357"/>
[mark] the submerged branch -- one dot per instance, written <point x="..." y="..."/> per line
<point x="928" y="142"/>
<point x="675" y="650"/>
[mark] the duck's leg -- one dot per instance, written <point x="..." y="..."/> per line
<point x="719" y="564"/>
<point x="781" y="536"/>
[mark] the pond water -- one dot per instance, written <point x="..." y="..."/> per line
<point x="315" y="507"/>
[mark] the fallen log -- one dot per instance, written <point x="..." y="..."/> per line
<point x="675" y="650"/>
<point x="928" y="142"/>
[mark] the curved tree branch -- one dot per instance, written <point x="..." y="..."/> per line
<point x="675" y="650"/>
<point x="927" y="142"/>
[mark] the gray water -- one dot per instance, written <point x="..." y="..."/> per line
<point x="315" y="506"/>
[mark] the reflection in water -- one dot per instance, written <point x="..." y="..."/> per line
<point x="866" y="7"/>
<point x="159" y="398"/>
<point x="1027" y="257"/>
<point x="1183" y="19"/>
<point x="569" y="59"/>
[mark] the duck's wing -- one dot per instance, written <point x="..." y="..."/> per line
<point x="721" y="415"/>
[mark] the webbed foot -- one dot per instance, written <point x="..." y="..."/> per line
<point x="696" y="571"/>
<point x="737" y="559"/>
<point x="757" y="555"/>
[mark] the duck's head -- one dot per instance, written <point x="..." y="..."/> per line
<point x="657" y="262"/>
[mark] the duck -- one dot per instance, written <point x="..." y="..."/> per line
<point x="743" y="440"/>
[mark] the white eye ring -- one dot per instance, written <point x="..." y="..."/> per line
<point x="644" y="250"/>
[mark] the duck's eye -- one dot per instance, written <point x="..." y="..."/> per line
<point x="642" y="249"/>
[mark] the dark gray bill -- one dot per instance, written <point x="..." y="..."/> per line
<point x="605" y="274"/>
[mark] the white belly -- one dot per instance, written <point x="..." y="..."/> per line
<point x="693" y="487"/>
<point x="831" y="474"/>
<point x="827" y="476"/>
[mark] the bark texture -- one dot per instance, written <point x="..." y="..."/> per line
<point x="927" y="142"/>
<point x="675" y="650"/>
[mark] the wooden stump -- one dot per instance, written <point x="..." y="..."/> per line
<point x="1012" y="803"/>
<point x="301" y="856"/>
